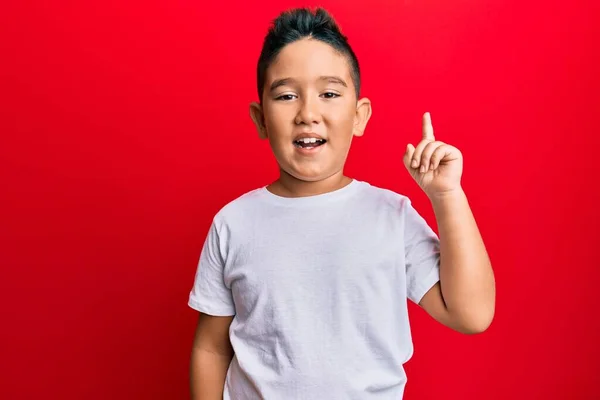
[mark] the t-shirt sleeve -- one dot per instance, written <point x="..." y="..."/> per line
<point x="422" y="254"/>
<point x="209" y="293"/>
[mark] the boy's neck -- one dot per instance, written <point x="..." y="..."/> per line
<point x="289" y="186"/>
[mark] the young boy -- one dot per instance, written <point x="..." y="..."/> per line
<point x="302" y="285"/>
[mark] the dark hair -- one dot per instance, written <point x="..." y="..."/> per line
<point x="300" y="23"/>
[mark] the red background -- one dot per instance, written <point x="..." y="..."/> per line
<point x="124" y="128"/>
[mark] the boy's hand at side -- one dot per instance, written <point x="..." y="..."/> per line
<point x="464" y="298"/>
<point x="211" y="356"/>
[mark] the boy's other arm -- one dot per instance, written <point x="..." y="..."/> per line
<point x="464" y="299"/>
<point x="211" y="356"/>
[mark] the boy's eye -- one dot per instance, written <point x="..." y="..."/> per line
<point x="330" y="95"/>
<point x="285" y="97"/>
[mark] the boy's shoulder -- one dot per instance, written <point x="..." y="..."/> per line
<point x="384" y="199"/>
<point x="240" y="206"/>
<point x="385" y="194"/>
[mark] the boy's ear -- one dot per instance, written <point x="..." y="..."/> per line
<point x="256" y="113"/>
<point x="362" y="116"/>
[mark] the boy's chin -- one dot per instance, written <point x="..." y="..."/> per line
<point x="300" y="174"/>
<point x="310" y="176"/>
<point x="306" y="177"/>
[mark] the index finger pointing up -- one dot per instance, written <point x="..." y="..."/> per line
<point x="427" y="127"/>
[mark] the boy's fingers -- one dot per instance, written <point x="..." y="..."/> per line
<point x="427" y="127"/>
<point x="416" y="156"/>
<point x="438" y="155"/>
<point x="427" y="159"/>
<point x="408" y="155"/>
<point x="428" y="137"/>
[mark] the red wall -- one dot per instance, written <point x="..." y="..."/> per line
<point x="124" y="127"/>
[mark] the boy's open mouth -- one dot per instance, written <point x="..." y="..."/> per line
<point x="308" y="143"/>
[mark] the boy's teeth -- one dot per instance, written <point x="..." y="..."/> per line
<point x="309" y="140"/>
<point x="307" y="143"/>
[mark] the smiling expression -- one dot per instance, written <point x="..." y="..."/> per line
<point x="309" y="111"/>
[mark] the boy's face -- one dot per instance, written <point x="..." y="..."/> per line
<point x="309" y="93"/>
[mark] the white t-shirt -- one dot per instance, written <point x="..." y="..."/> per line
<point x="319" y="287"/>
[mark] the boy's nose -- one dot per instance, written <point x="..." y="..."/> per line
<point x="308" y="113"/>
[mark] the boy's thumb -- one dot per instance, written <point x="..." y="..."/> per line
<point x="410" y="150"/>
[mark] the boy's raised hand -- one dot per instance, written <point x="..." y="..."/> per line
<point x="434" y="165"/>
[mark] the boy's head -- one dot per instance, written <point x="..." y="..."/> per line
<point x="308" y="85"/>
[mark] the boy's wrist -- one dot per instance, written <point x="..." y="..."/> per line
<point x="448" y="199"/>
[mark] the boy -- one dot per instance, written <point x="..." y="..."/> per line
<point x="302" y="284"/>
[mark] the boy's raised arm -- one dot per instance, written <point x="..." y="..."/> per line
<point x="464" y="299"/>
<point x="465" y="296"/>
<point x="211" y="356"/>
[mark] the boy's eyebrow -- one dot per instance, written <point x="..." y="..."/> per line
<point x="286" y="81"/>
<point x="334" y="79"/>
<point x="280" y="82"/>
